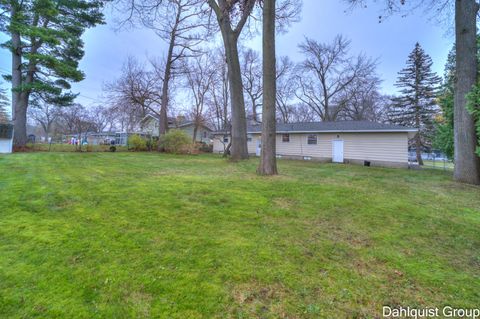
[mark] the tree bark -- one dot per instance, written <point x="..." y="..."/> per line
<point x="163" y="120"/>
<point x="467" y="163"/>
<point x="19" y="107"/>
<point x="268" y="159"/>
<point x="20" y="122"/>
<point x="418" y="149"/>
<point x="239" y="148"/>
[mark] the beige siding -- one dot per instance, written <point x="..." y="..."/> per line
<point x="381" y="147"/>
<point x="388" y="147"/>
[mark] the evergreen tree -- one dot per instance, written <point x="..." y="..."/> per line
<point x="444" y="139"/>
<point x="46" y="46"/>
<point x="416" y="106"/>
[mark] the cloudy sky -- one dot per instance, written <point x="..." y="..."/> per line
<point x="390" y="41"/>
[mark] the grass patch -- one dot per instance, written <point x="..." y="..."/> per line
<point x="142" y="235"/>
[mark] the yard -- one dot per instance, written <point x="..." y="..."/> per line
<point x="140" y="235"/>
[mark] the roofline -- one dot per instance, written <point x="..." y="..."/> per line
<point x="334" y="131"/>
<point x="344" y="131"/>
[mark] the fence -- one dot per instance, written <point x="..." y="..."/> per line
<point x="433" y="160"/>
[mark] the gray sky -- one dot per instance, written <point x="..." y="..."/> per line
<point x="390" y="41"/>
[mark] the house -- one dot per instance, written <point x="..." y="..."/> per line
<point x="359" y="142"/>
<point x="150" y="124"/>
<point x="6" y="138"/>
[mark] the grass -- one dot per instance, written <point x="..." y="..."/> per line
<point x="139" y="235"/>
<point x="54" y="147"/>
<point x="439" y="164"/>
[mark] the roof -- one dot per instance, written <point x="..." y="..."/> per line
<point x="333" y="127"/>
<point x="174" y="122"/>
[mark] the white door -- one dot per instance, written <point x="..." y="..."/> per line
<point x="259" y="147"/>
<point x="337" y="151"/>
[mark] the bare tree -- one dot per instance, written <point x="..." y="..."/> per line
<point x="219" y="93"/>
<point x="44" y="114"/>
<point x="76" y="120"/>
<point x="136" y="87"/>
<point x="285" y="90"/>
<point x="327" y="73"/>
<point x="103" y="118"/>
<point x="363" y="101"/>
<point x="252" y="80"/>
<point x="268" y="159"/>
<point x="232" y="16"/>
<point x="199" y="75"/>
<point x="467" y="163"/>
<point x="178" y="22"/>
<point x="126" y="116"/>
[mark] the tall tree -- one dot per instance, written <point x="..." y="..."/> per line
<point x="467" y="163"/>
<point x="417" y="106"/>
<point x="46" y="46"/>
<point x="199" y="75"/>
<point x="268" y="156"/>
<point x="232" y="17"/>
<point x="219" y="93"/>
<point x="180" y="23"/>
<point x="252" y="81"/>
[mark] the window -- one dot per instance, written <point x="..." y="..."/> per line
<point x="249" y="138"/>
<point x="312" y="139"/>
<point x="225" y="139"/>
<point x="204" y="134"/>
<point x="285" y="138"/>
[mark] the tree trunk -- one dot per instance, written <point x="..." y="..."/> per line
<point x="467" y="163"/>
<point x="20" y="122"/>
<point x="19" y="107"/>
<point x="239" y="148"/>
<point x="195" y="130"/>
<point x="418" y="148"/>
<point x="268" y="159"/>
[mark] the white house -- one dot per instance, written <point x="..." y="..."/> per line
<point x="6" y="138"/>
<point x="360" y="142"/>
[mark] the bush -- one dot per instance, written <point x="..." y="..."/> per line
<point x="204" y="147"/>
<point x="137" y="143"/>
<point x="113" y="149"/>
<point x="176" y="142"/>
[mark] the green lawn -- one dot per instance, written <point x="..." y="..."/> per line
<point x="143" y="235"/>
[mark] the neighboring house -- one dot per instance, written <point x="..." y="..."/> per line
<point x="359" y="142"/>
<point x="6" y="138"/>
<point x="150" y="124"/>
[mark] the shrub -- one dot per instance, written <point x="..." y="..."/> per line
<point x="205" y="148"/>
<point x="176" y="142"/>
<point x="137" y="143"/>
<point x="113" y="148"/>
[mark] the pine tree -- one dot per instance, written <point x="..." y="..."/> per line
<point x="444" y="139"/>
<point x="46" y="47"/>
<point x="416" y="106"/>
